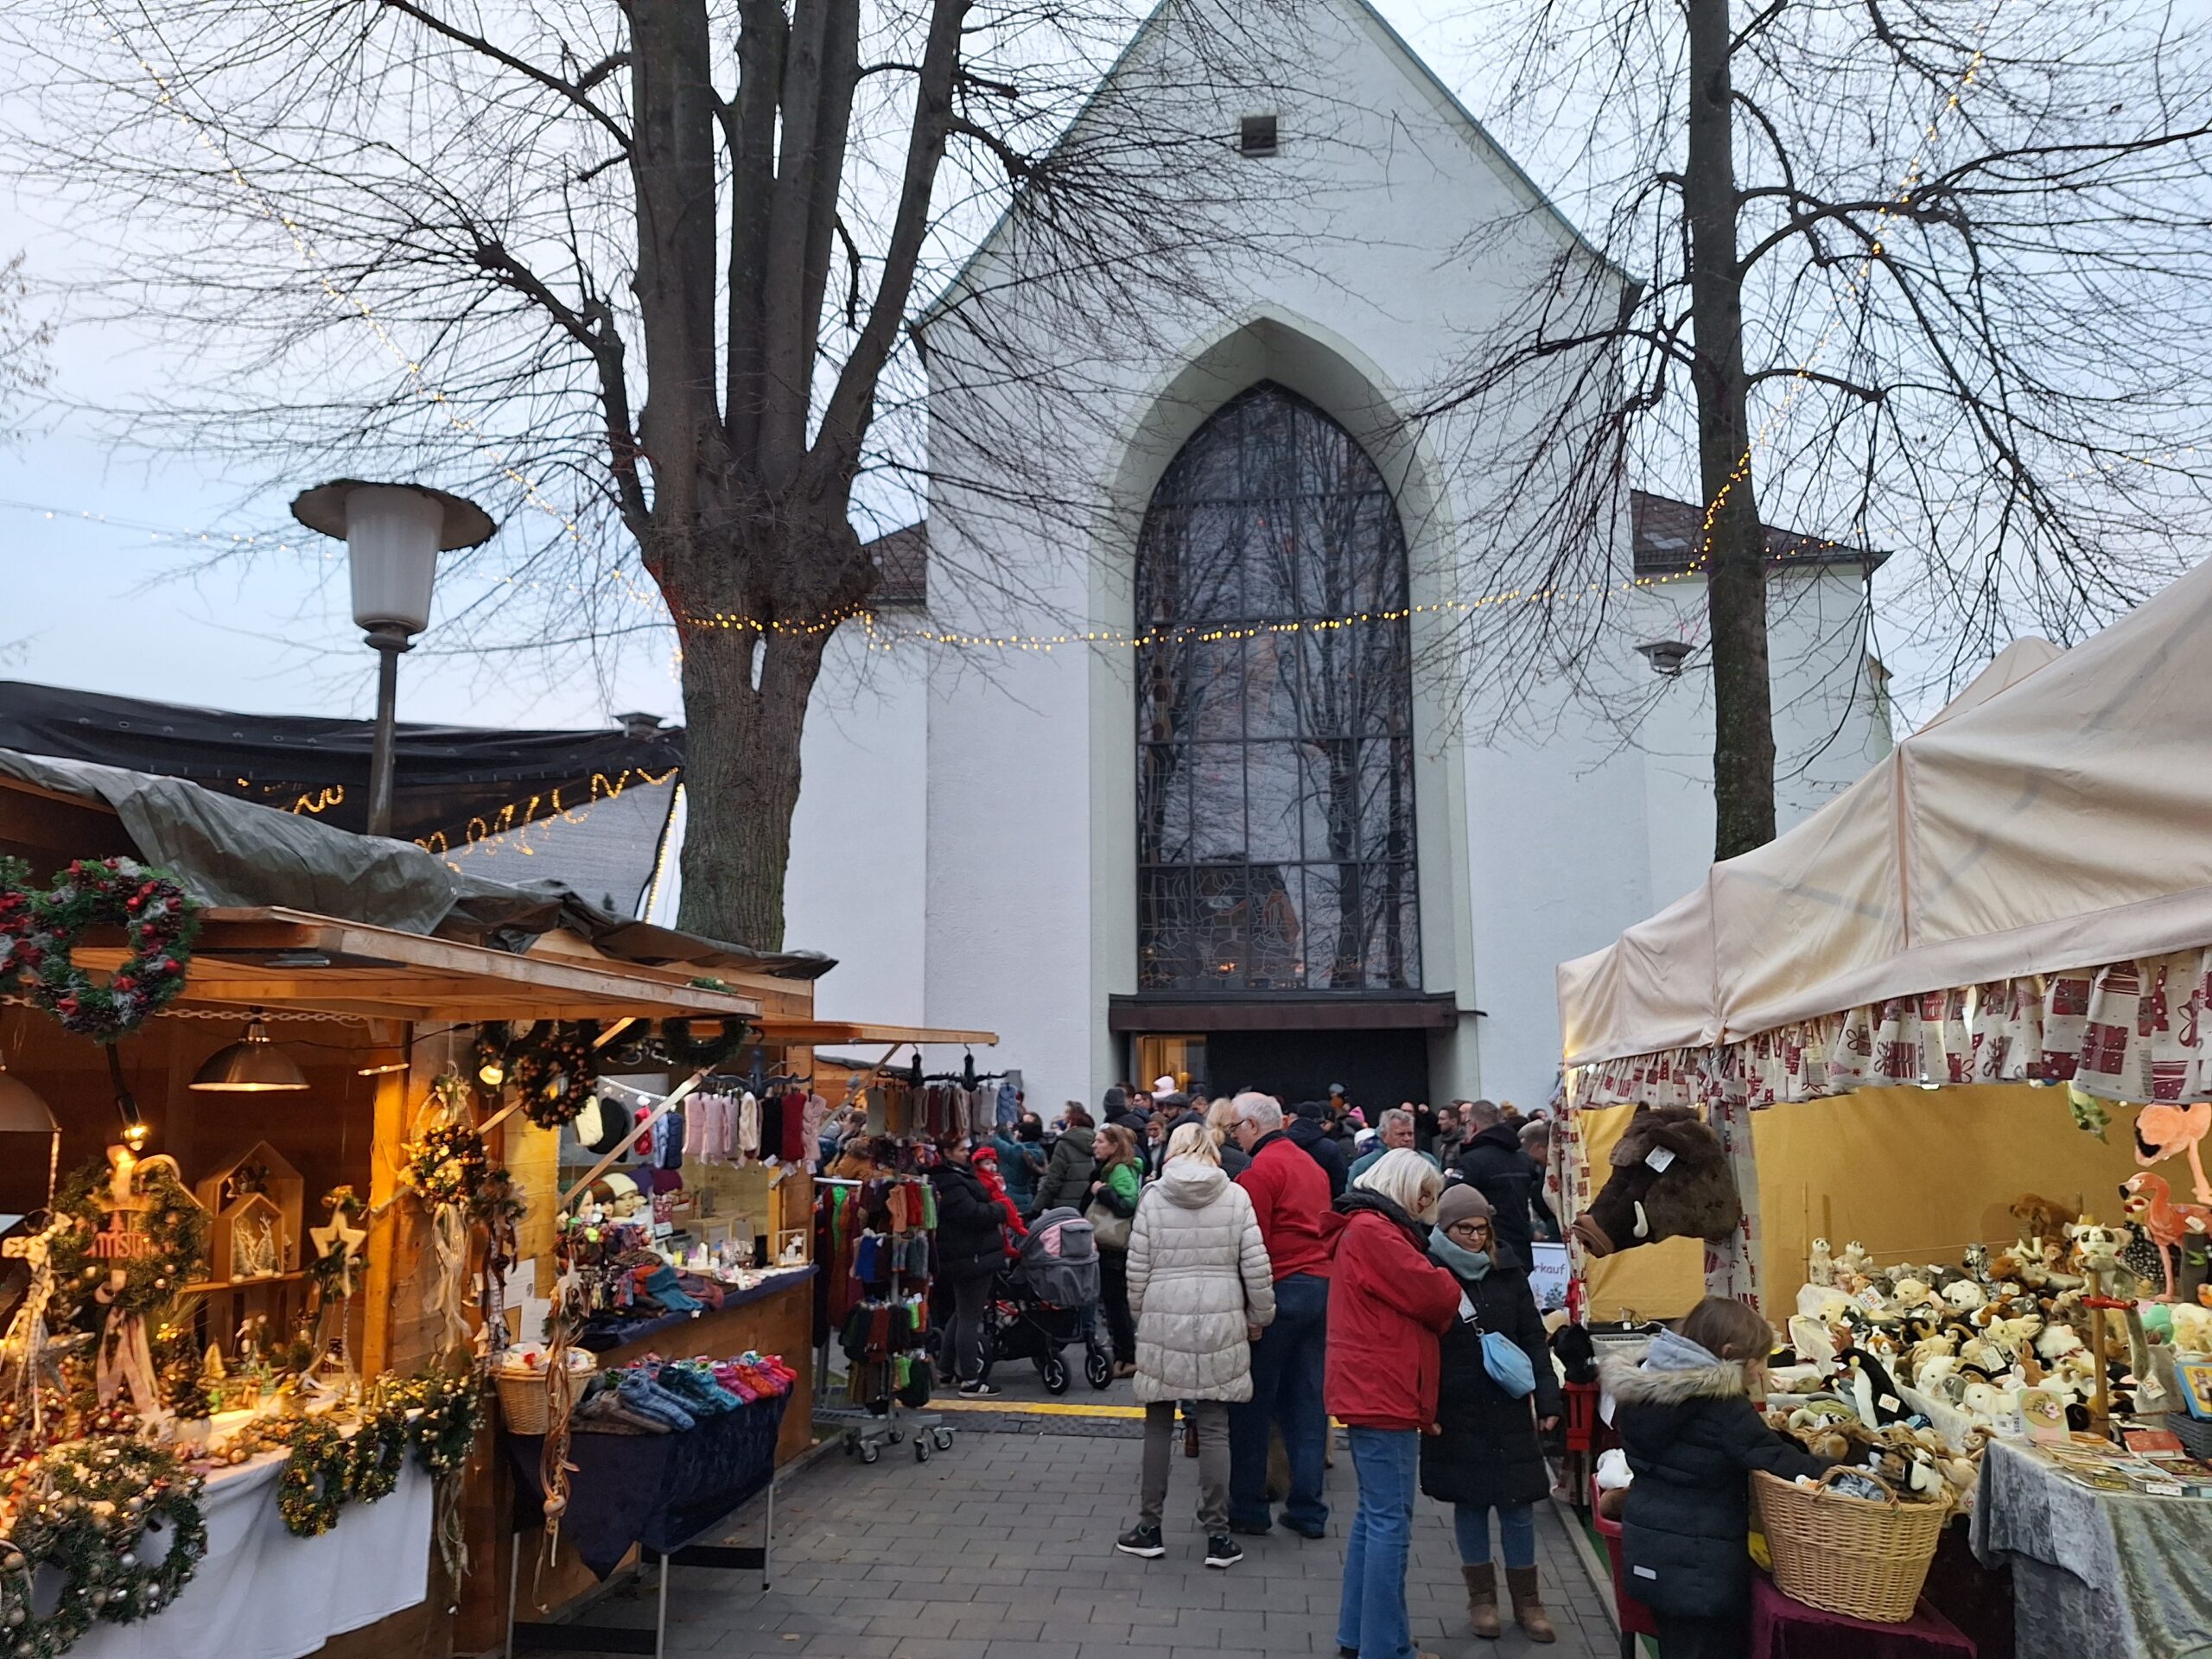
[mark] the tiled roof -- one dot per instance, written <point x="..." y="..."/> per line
<point x="903" y="557"/>
<point x="1667" y="538"/>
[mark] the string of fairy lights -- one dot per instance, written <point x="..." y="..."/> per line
<point x="882" y="633"/>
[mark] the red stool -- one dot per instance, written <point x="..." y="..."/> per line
<point x="1636" y="1618"/>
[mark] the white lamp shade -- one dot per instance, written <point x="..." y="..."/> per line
<point x="392" y="543"/>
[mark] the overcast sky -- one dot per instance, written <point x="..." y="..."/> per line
<point x="100" y="602"/>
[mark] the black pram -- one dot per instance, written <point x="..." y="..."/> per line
<point x="1047" y="1298"/>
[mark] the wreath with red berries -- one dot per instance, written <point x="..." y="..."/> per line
<point x="39" y="931"/>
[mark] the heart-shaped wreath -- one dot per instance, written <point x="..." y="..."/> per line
<point x="39" y="931"/>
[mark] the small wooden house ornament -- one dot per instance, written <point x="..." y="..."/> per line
<point x="260" y="1187"/>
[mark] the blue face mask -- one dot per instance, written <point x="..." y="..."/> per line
<point x="1468" y="1264"/>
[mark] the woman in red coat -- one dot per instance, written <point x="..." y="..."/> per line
<point x="1388" y="1304"/>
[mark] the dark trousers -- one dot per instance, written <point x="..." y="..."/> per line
<point x="1287" y="1366"/>
<point x="1681" y="1637"/>
<point x="963" y="1339"/>
<point x="1114" y="1297"/>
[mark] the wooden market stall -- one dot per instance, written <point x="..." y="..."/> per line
<point x="381" y="1010"/>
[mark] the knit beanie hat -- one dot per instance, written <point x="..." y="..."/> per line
<point x="1462" y="1202"/>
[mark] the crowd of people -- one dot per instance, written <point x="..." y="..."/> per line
<point x="1263" y="1270"/>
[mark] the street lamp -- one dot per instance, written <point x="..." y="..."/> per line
<point x="393" y="535"/>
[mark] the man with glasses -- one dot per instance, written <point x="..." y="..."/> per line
<point x="1290" y="1196"/>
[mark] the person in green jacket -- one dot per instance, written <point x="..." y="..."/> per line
<point x="1116" y="1185"/>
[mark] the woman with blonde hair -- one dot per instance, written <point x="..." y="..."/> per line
<point x="1201" y="1289"/>
<point x="1388" y="1305"/>
<point x="1221" y="1128"/>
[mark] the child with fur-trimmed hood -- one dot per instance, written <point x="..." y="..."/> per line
<point x="1684" y="1412"/>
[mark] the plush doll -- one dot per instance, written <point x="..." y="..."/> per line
<point x="1820" y="1266"/>
<point x="1966" y="1296"/>
<point x="2041" y="1216"/>
<point x="2192" y="1328"/>
<point x="1977" y="1262"/>
<point x="2163" y="1132"/>
<point x="2145" y="1200"/>
<point x="1855" y="1264"/>
<point x="1670" y="1179"/>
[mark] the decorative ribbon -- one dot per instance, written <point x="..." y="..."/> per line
<point x="23" y="1349"/>
<point x="126" y="1362"/>
<point x="445" y="1297"/>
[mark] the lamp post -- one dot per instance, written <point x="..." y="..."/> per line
<point x="393" y="535"/>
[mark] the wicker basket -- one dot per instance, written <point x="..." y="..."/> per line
<point x="1851" y="1556"/>
<point x="2196" y="1437"/>
<point x="523" y="1391"/>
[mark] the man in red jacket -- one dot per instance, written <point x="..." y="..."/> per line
<point x="1290" y="1195"/>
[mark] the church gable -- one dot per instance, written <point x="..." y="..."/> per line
<point x="1313" y="131"/>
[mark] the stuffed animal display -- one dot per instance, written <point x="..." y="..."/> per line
<point x="1669" y="1179"/>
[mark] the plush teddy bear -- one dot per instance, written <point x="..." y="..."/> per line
<point x="1819" y="1265"/>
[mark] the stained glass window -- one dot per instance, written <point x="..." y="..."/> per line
<point x="1275" y="766"/>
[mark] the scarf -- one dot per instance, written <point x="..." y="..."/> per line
<point x="1458" y="1259"/>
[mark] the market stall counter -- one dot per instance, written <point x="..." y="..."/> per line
<point x="2098" y="1574"/>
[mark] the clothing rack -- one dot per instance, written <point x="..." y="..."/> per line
<point x="866" y="1433"/>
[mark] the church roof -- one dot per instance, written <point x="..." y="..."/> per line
<point x="1670" y="540"/>
<point x="1667" y="543"/>
<point x="1410" y="62"/>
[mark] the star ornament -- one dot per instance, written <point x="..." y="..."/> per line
<point x="339" y="1237"/>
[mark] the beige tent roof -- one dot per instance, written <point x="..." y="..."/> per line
<point x="2057" y="814"/>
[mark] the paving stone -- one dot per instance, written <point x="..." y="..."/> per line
<point x="1003" y="1549"/>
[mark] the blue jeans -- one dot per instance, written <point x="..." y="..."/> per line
<point x="1287" y="1364"/>
<point x="1371" y="1618"/>
<point x="1516" y="1531"/>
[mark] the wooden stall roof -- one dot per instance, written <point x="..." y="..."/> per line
<point x="278" y="959"/>
<point x="796" y="1030"/>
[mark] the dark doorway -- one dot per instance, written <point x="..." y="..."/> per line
<point x="1380" y="1068"/>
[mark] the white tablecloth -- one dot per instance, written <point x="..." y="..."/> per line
<point x="261" y="1593"/>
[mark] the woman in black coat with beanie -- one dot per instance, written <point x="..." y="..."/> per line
<point x="1485" y="1455"/>
<point x="970" y="1247"/>
<point x="1685" y="1414"/>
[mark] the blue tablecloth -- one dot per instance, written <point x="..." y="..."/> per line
<point x="660" y="1491"/>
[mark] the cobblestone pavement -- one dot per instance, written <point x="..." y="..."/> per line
<point x="1003" y="1549"/>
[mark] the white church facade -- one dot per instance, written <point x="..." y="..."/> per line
<point x="1243" y="834"/>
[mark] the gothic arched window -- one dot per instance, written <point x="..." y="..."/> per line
<point x="1275" y="761"/>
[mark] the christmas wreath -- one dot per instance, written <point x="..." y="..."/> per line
<point x="120" y="1520"/>
<point x="446" y="1165"/>
<point x="555" y="1072"/>
<point x="446" y="1413"/>
<point x="313" y="1487"/>
<point x="38" y="931"/>
<point x="678" y="1043"/>
<point x="175" y="1227"/>
<point x="379" y="1452"/>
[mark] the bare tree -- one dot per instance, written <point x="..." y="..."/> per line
<point x="1925" y="275"/>
<point x="643" y="271"/>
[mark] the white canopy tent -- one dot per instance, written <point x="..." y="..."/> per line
<point x="2054" y="820"/>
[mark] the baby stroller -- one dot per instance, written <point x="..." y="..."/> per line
<point x="1046" y="1298"/>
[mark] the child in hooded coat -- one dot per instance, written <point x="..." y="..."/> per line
<point x="1685" y="1416"/>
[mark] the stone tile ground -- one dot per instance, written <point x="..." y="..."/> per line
<point x="1003" y="1549"/>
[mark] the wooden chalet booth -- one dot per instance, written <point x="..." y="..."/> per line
<point x="344" y="1004"/>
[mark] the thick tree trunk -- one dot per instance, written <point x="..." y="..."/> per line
<point x="741" y="778"/>
<point x="1735" y="546"/>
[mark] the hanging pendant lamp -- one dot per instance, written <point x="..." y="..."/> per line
<point x="253" y="1065"/>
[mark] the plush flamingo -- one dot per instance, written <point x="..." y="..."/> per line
<point x="2147" y="1200"/>
<point x="2163" y="1132"/>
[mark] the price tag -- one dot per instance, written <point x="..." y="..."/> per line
<point x="1658" y="1157"/>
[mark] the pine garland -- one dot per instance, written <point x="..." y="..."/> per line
<point x="449" y="1410"/>
<point x="378" y="1453"/>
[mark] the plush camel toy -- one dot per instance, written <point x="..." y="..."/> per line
<point x="1669" y="1179"/>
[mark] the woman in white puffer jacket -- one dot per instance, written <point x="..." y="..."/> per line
<point x="1200" y="1289"/>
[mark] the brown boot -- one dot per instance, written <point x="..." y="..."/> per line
<point x="1481" y="1600"/>
<point x="1528" y="1604"/>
